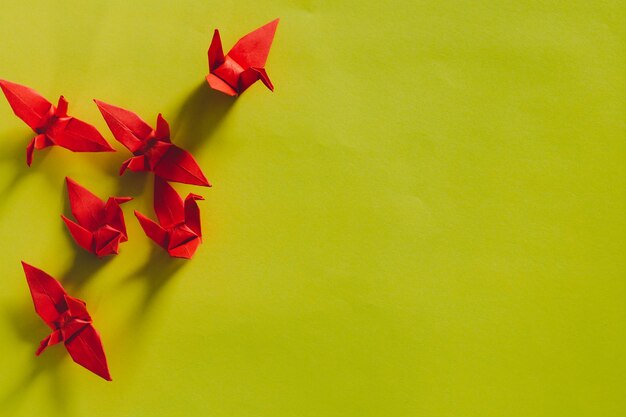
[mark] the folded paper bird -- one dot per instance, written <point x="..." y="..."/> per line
<point x="52" y="124"/>
<point x="69" y="320"/>
<point x="152" y="148"/>
<point x="244" y="64"/>
<point x="178" y="231"/>
<point x="100" y="228"/>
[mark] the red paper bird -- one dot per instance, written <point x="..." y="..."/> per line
<point x="244" y="64"/>
<point x="52" y="124"/>
<point x="178" y="230"/>
<point x="100" y="228"/>
<point x="152" y="148"/>
<point x="69" y="320"/>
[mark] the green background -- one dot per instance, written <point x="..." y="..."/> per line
<point x="425" y="219"/>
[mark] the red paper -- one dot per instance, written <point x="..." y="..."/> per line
<point x="152" y="148"/>
<point x="178" y="230"/>
<point x="100" y="228"/>
<point x="52" y="124"/>
<point x="69" y="320"/>
<point x="244" y="64"/>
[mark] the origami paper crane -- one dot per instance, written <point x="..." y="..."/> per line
<point x="69" y="320"/>
<point x="52" y="124"/>
<point x="152" y="148"/>
<point x="100" y="228"/>
<point x="244" y="64"/>
<point x="178" y="230"/>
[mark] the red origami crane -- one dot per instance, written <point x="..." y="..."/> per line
<point x="152" y="148"/>
<point x="244" y="64"/>
<point x="69" y="320"/>
<point x="52" y="124"/>
<point x="178" y="230"/>
<point x="100" y="228"/>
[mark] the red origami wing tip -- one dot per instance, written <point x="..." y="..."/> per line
<point x="86" y="207"/>
<point x="27" y="104"/>
<point x="47" y="293"/>
<point x="153" y="230"/>
<point x="81" y="235"/>
<point x="253" y="49"/>
<point x="78" y="136"/>
<point x="128" y="128"/>
<point x="168" y="205"/>
<point x="178" y="165"/>
<point x="85" y="348"/>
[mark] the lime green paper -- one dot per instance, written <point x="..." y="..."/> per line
<point x="427" y="218"/>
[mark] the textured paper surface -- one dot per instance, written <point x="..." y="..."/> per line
<point x="426" y="218"/>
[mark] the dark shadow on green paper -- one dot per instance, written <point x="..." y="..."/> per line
<point x="199" y="116"/>
<point x="84" y="266"/>
<point x="155" y="273"/>
<point x="16" y="156"/>
<point x="133" y="184"/>
<point x="30" y="329"/>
